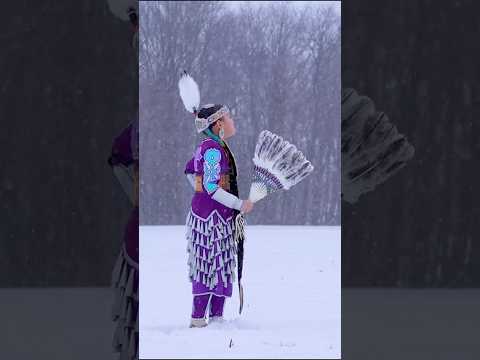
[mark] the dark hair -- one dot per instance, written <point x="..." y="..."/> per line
<point x="206" y="112"/>
<point x="210" y="127"/>
<point x="132" y="14"/>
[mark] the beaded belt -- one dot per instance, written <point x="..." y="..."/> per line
<point x="224" y="182"/>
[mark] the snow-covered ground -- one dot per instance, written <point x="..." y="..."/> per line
<point x="292" y="308"/>
<point x="377" y="323"/>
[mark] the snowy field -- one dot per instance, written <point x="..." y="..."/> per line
<point x="393" y="324"/>
<point x="292" y="305"/>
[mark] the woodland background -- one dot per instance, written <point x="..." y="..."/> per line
<point x="276" y="65"/>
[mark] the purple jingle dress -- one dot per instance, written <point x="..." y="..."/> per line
<point x="210" y="225"/>
<point x="125" y="273"/>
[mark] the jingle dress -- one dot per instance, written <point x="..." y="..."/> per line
<point x="210" y="224"/>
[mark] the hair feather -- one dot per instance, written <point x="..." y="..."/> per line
<point x="189" y="92"/>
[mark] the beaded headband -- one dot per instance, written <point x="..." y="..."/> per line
<point x="203" y="123"/>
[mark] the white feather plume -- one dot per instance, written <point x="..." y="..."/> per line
<point x="189" y="92"/>
<point x="279" y="160"/>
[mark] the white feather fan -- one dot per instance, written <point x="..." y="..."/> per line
<point x="278" y="165"/>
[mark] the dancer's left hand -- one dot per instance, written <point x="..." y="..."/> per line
<point x="247" y="206"/>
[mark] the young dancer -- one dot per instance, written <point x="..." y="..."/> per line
<point x="210" y="222"/>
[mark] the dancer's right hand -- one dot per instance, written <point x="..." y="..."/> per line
<point x="247" y="206"/>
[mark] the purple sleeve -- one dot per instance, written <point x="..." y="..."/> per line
<point x="211" y="169"/>
<point x="189" y="168"/>
<point x="196" y="164"/>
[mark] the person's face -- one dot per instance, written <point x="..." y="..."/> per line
<point x="228" y="126"/>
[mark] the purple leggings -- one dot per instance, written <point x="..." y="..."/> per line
<point x="200" y="303"/>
